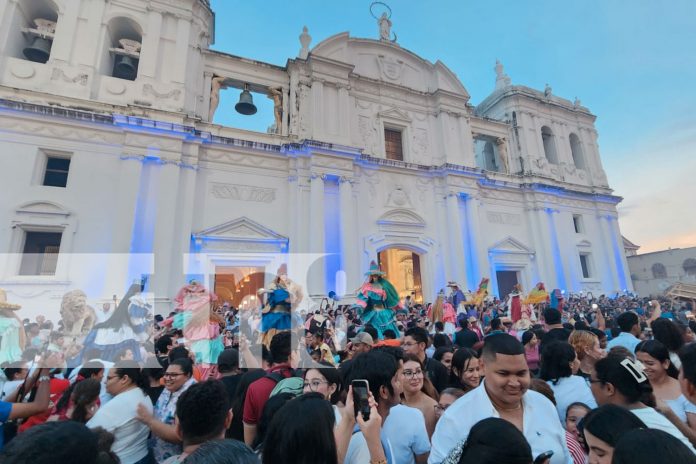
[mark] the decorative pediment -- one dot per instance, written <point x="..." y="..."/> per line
<point x="510" y="246"/>
<point x="43" y="208"/>
<point x="395" y="114"/>
<point x="241" y="234"/>
<point x="401" y="218"/>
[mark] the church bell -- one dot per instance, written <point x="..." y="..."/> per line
<point x="125" y="67"/>
<point x="245" y="105"/>
<point x="39" y="50"/>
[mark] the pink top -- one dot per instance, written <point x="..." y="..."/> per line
<point x="532" y="355"/>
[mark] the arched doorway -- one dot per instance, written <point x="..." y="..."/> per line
<point x="403" y="268"/>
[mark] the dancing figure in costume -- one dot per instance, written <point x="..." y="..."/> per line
<point x="516" y="303"/>
<point x="377" y="301"/>
<point x="557" y="300"/>
<point x="126" y="328"/>
<point x="189" y="290"/>
<point x="11" y="331"/>
<point x="200" y="325"/>
<point x="457" y="297"/>
<point x="442" y="311"/>
<point x="282" y="297"/>
<point x="481" y="293"/>
<point x="537" y="295"/>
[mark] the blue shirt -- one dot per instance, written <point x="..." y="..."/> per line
<point x="625" y="339"/>
<point x="5" y="410"/>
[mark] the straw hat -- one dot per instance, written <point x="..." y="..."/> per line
<point x="4" y="304"/>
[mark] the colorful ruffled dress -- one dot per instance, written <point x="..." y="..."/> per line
<point x="377" y="302"/>
<point x="279" y="317"/>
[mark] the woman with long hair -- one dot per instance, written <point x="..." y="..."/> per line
<point x="79" y="402"/>
<point x="668" y="333"/>
<point x="531" y="351"/>
<point x="589" y="351"/>
<point x="559" y="363"/>
<point x="619" y="380"/>
<point x="663" y="376"/>
<point x="418" y="392"/>
<point x="125" y="382"/>
<point x="301" y="432"/>
<point x="465" y="373"/>
<point x="328" y="382"/>
<point x="602" y="428"/>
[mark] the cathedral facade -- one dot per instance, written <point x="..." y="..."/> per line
<point x="112" y="166"/>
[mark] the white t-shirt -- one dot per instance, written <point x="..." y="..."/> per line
<point x="9" y="387"/>
<point x="655" y="420"/>
<point x="542" y="429"/>
<point x="569" y="390"/>
<point x="405" y="430"/>
<point x="119" y="417"/>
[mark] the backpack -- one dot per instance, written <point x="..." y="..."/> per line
<point x="292" y="384"/>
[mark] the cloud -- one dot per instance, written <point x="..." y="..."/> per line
<point x="658" y="184"/>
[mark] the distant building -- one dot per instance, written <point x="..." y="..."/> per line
<point x="653" y="273"/>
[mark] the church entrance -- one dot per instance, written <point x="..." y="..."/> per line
<point x="506" y="280"/>
<point x="403" y="270"/>
<point x="237" y="285"/>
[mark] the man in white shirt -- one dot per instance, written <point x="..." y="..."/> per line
<point x="503" y="393"/>
<point x="629" y="324"/>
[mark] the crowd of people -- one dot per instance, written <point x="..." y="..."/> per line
<point x="542" y="378"/>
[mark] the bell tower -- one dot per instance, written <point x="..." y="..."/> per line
<point x="137" y="53"/>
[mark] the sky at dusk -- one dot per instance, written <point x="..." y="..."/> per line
<point x="632" y="63"/>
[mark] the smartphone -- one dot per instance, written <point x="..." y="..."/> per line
<point x="594" y="306"/>
<point x="361" y="392"/>
<point x="541" y="459"/>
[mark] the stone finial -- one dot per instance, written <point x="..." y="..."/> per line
<point x="577" y="103"/>
<point x="305" y="40"/>
<point x="502" y="80"/>
<point x="548" y="90"/>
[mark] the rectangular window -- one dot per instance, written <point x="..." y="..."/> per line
<point x="392" y="144"/>
<point x="585" y="265"/>
<point x="577" y="223"/>
<point x="40" y="253"/>
<point x="56" y="173"/>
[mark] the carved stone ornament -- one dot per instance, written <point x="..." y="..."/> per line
<point x="419" y="146"/>
<point x="60" y="74"/>
<point x="242" y="192"/>
<point x="22" y="70"/>
<point x="115" y="88"/>
<point x="398" y="198"/>
<point x="174" y="94"/>
<point x="391" y="68"/>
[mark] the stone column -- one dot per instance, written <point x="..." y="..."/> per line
<point x="445" y="248"/>
<point x="183" y="34"/>
<point x="150" y="49"/>
<point x="350" y="253"/>
<point x="607" y="250"/>
<point x="184" y="222"/>
<point x="547" y="251"/>
<point x="563" y="224"/>
<point x="539" y="246"/>
<point x="167" y="185"/>
<point x="621" y="262"/>
<point x="454" y="226"/>
<point x="344" y="113"/>
<point x="131" y="168"/>
<point x="293" y="214"/>
<point x="318" y="109"/>
<point x="317" y="278"/>
<point x="65" y="32"/>
<point x="477" y="248"/>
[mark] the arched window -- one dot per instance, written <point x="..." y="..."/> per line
<point x="576" y="151"/>
<point x="659" y="271"/>
<point x="486" y="153"/>
<point x="690" y="266"/>
<point x="123" y="42"/>
<point x="36" y="22"/>
<point x="549" y="145"/>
